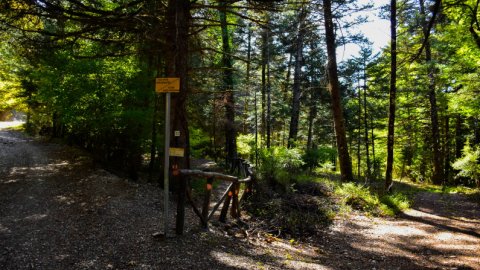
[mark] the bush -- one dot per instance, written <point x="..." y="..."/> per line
<point x="319" y="156"/>
<point x="280" y="165"/>
<point x="468" y="165"/>
<point x="246" y="146"/>
<point x="200" y="145"/>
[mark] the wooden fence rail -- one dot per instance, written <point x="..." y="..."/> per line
<point x="230" y="195"/>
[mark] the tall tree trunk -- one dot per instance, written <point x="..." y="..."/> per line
<point x="447" y="150"/>
<point x="359" y="133"/>
<point x="459" y="142"/>
<point x="372" y="127"/>
<point x="228" y="98"/>
<point x="176" y="56"/>
<point x="269" y="97"/>
<point x="153" y="144"/>
<point x="393" y="93"/>
<point x="365" y="121"/>
<point x="247" y="83"/>
<point x="263" y="116"/>
<point x="297" y="79"/>
<point x="334" y="88"/>
<point x="438" y="173"/>
<point x="311" y="117"/>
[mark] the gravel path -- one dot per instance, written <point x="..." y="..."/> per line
<point x="59" y="211"/>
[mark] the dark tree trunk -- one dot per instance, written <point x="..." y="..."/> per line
<point x="438" y="173"/>
<point x="311" y="117"/>
<point x="263" y="116"/>
<point x="176" y="55"/>
<point x="446" y="149"/>
<point x="334" y="88"/>
<point x="247" y="82"/>
<point x="269" y="97"/>
<point x="459" y="142"/>
<point x="393" y="93"/>
<point x="151" y="165"/>
<point x="297" y="79"/>
<point x="359" y="134"/>
<point x="228" y="98"/>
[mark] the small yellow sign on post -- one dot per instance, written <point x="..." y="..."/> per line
<point x="167" y="85"/>
<point x="177" y="152"/>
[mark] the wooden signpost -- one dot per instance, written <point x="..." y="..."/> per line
<point x="167" y="86"/>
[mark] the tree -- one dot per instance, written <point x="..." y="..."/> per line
<point x="393" y="92"/>
<point x="297" y="77"/>
<point x="334" y="88"/>
<point x="438" y="173"/>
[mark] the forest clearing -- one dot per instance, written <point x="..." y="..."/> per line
<point x="239" y="134"/>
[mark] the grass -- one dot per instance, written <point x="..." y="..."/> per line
<point x="353" y="196"/>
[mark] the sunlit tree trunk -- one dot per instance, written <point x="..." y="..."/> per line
<point x="334" y="88"/>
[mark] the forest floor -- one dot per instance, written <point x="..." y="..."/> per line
<point x="60" y="211"/>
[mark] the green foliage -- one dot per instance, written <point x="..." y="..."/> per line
<point x="360" y="197"/>
<point x="246" y="146"/>
<point x="319" y="156"/>
<point x="468" y="165"/>
<point x="280" y="164"/>
<point x="200" y="145"/>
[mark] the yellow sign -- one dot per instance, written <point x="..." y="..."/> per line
<point x="167" y="85"/>
<point x="177" y="152"/>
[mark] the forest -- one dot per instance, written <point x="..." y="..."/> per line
<point x="259" y="80"/>
<point x="325" y="135"/>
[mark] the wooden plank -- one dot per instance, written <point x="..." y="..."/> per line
<point x="219" y="201"/>
<point x="209" y="174"/>
<point x="206" y="202"/>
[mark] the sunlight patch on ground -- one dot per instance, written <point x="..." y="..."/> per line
<point x="240" y="262"/>
<point x="64" y="199"/>
<point x="387" y="229"/>
<point x="35" y="217"/>
<point x="51" y="168"/>
<point x="4" y="229"/>
<point x="11" y="124"/>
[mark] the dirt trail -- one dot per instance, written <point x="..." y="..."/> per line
<point x="59" y="211"/>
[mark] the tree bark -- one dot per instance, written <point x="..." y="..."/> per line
<point x="365" y="120"/>
<point x="334" y="89"/>
<point x="438" y="170"/>
<point x="176" y="53"/>
<point x="297" y="79"/>
<point x="228" y="97"/>
<point x="393" y="93"/>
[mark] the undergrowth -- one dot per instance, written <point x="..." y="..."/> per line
<point x="312" y="204"/>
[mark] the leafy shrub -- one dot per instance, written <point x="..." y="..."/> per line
<point x="361" y="198"/>
<point x="318" y="156"/>
<point x="246" y="146"/>
<point x="199" y="143"/>
<point x="280" y="164"/>
<point x="468" y="165"/>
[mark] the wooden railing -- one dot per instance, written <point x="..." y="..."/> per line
<point x="230" y="197"/>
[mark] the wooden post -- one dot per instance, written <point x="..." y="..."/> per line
<point x="235" y="211"/>
<point x="180" y="221"/>
<point x="206" y="202"/>
<point x="226" y="204"/>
